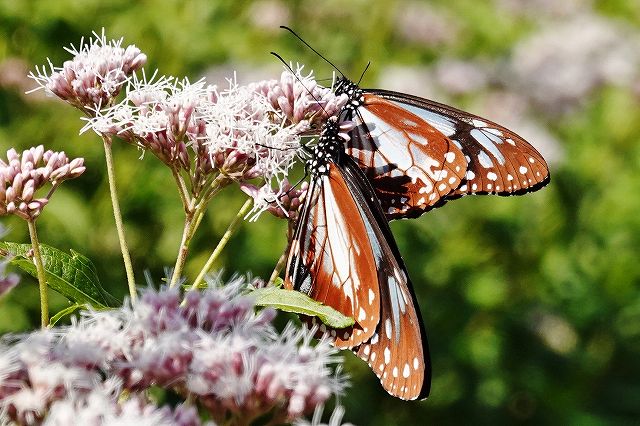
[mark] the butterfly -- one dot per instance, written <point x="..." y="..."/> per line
<point x="344" y="255"/>
<point x="419" y="154"/>
<point x="405" y="156"/>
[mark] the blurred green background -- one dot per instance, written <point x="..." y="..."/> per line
<point x="532" y="303"/>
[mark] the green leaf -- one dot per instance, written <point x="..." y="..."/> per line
<point x="278" y="282"/>
<point x="72" y="275"/>
<point x="63" y="313"/>
<point x="300" y="303"/>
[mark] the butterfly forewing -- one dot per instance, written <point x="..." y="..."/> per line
<point x="331" y="258"/>
<point x="412" y="165"/>
<point x="498" y="160"/>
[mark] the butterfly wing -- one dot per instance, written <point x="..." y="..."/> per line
<point x="332" y="260"/>
<point x="398" y="351"/>
<point x="411" y="164"/>
<point x="495" y="159"/>
<point x="344" y="255"/>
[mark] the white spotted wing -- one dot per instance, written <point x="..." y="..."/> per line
<point x="485" y="158"/>
<point x="344" y="255"/>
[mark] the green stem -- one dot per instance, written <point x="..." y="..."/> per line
<point x="118" y="217"/>
<point x="187" y="234"/>
<point x="191" y="223"/>
<point x="193" y="218"/>
<point x="279" y="265"/>
<point x="42" y="280"/>
<point x="182" y="189"/>
<point x="223" y="242"/>
<point x="291" y="227"/>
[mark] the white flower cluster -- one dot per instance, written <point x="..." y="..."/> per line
<point x="300" y="100"/>
<point x="238" y="134"/>
<point x="94" y="76"/>
<point x="214" y="349"/>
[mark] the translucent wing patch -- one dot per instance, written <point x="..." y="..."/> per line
<point x="411" y="163"/>
<point x="332" y="260"/>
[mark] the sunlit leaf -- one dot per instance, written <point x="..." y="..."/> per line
<point x="299" y="303"/>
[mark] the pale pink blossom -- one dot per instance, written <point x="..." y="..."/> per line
<point x="94" y="76"/>
<point x="214" y="347"/>
<point x="23" y="174"/>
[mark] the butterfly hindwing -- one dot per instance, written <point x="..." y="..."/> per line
<point x="398" y="351"/>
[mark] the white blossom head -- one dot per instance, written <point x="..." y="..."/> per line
<point x="244" y="136"/>
<point x="300" y="100"/>
<point x="94" y="76"/>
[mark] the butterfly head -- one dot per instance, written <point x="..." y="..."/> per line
<point x="352" y="90"/>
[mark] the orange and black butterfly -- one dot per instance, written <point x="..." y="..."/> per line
<point x="344" y="255"/>
<point x="405" y="156"/>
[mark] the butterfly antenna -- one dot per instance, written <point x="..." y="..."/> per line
<point x="365" y="70"/>
<point x="314" y="50"/>
<point x="301" y="82"/>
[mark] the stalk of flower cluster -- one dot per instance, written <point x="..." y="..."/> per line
<point x="193" y="217"/>
<point x="42" y="280"/>
<point x="223" y="242"/>
<point x="92" y="80"/>
<point x="278" y="268"/>
<point x="117" y="215"/>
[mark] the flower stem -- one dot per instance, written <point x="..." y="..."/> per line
<point x="182" y="189"/>
<point x="285" y="254"/>
<point x="118" y="217"/>
<point x="42" y="280"/>
<point x="223" y="241"/>
<point x="192" y="221"/>
<point x="279" y="265"/>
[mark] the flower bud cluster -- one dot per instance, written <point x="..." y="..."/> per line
<point x="301" y="100"/>
<point x="94" y="76"/>
<point x="214" y="347"/>
<point x="22" y="175"/>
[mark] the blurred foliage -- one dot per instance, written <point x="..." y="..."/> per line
<point x="532" y="303"/>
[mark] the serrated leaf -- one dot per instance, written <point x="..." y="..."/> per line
<point x="299" y="303"/>
<point x="72" y="275"/>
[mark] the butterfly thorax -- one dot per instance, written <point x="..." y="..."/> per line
<point x="328" y="149"/>
<point x="355" y="94"/>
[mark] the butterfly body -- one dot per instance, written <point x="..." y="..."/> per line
<point x="343" y="254"/>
